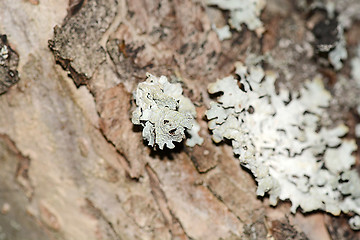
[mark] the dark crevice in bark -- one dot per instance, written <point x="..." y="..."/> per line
<point x="171" y="221"/>
<point x="122" y="158"/>
<point x="99" y="214"/>
<point x="222" y="201"/>
<point x="9" y="61"/>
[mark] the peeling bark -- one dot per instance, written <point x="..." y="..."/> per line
<point x="9" y="60"/>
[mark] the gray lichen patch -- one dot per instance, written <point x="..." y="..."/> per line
<point x="79" y="38"/>
<point x="355" y="222"/>
<point x="242" y="12"/>
<point x="165" y="113"/>
<point x="282" y="138"/>
<point x="355" y="66"/>
<point x="9" y="60"/>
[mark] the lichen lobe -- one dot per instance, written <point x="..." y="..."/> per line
<point x="282" y="138"/>
<point x="164" y="113"/>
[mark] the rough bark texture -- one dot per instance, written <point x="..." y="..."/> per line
<point x="73" y="166"/>
<point x="8" y="63"/>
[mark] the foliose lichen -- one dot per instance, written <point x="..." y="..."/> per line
<point x="347" y="10"/>
<point x="165" y="114"/>
<point x="339" y="53"/>
<point x="223" y="32"/>
<point x="242" y="12"/>
<point x="282" y="138"/>
<point x="355" y="66"/>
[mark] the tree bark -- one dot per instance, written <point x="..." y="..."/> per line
<point x="73" y="166"/>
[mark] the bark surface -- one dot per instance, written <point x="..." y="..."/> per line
<point x="73" y="166"/>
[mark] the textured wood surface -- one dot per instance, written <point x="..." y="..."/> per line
<point x="73" y="166"/>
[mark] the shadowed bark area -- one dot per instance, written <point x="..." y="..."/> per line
<point x="9" y="61"/>
<point x="72" y="164"/>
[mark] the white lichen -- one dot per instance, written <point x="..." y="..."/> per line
<point x="355" y="222"/>
<point x="339" y="53"/>
<point x="242" y="12"/>
<point x="165" y="113"/>
<point x="347" y="10"/>
<point x="355" y="66"/>
<point x="279" y="137"/>
<point x="222" y="32"/>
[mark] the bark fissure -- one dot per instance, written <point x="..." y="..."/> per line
<point x="99" y="214"/>
<point x="173" y="223"/>
<point x="222" y="201"/>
